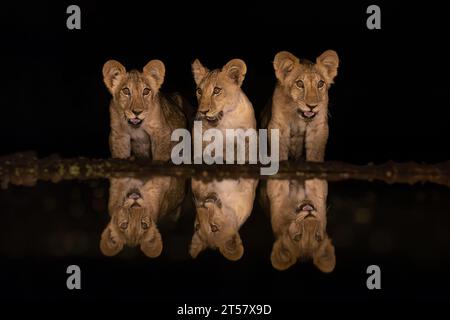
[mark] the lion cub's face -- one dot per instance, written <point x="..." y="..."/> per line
<point x="131" y="224"/>
<point x="302" y="226"/>
<point x="215" y="229"/>
<point x="306" y="83"/>
<point x="134" y="92"/>
<point x="217" y="90"/>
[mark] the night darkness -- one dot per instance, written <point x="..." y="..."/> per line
<point x="389" y="102"/>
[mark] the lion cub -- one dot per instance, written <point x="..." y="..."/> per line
<point x="299" y="105"/>
<point x="299" y="219"/>
<point x="135" y="208"/>
<point x="222" y="208"/>
<point x="142" y="118"/>
<point x="221" y="102"/>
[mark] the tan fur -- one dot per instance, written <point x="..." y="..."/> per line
<point x="222" y="205"/>
<point x="292" y="98"/>
<point x="222" y="208"/>
<point x="300" y="234"/>
<point x="228" y="107"/>
<point x="136" y="95"/>
<point x="135" y="221"/>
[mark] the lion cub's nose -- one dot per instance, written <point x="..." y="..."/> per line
<point x="311" y="106"/>
<point x="136" y="113"/>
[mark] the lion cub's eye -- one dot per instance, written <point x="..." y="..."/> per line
<point x="197" y="226"/>
<point x="123" y="225"/>
<point x="217" y="90"/>
<point x="146" y="92"/>
<point x="144" y="225"/>
<point x="126" y="91"/>
<point x="320" y="84"/>
<point x="199" y="91"/>
<point x="299" y="83"/>
<point x="214" y="228"/>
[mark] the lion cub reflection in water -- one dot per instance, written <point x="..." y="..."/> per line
<point x="222" y="208"/>
<point x="135" y="207"/>
<point x="298" y="216"/>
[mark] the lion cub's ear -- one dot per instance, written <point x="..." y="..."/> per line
<point x="199" y="71"/>
<point x="283" y="64"/>
<point x="329" y="61"/>
<point x="110" y="243"/>
<point x="236" y="70"/>
<point x="156" y="71"/>
<point x="232" y="249"/>
<point x="282" y="257"/>
<point x="152" y="244"/>
<point x="325" y="259"/>
<point x="113" y="74"/>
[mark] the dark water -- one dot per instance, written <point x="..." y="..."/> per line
<point x="402" y="229"/>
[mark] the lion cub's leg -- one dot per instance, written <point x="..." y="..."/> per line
<point x="285" y="139"/>
<point x="140" y="148"/>
<point x="162" y="150"/>
<point x="120" y="145"/>
<point x="296" y="147"/>
<point x="316" y="140"/>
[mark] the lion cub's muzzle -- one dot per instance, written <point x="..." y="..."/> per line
<point x="308" y="207"/>
<point x="135" y="122"/>
<point x="135" y="118"/>
<point x="134" y="196"/>
<point x="306" y="210"/>
<point x="212" y="120"/>
<point x="306" y="115"/>
<point x="309" y="112"/>
<point x="212" y="198"/>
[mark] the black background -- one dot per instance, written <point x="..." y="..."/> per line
<point x="389" y="102"/>
<point x="390" y="99"/>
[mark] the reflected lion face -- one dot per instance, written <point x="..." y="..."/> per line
<point x="304" y="238"/>
<point x="298" y="212"/>
<point x="131" y="224"/>
<point x="214" y="229"/>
